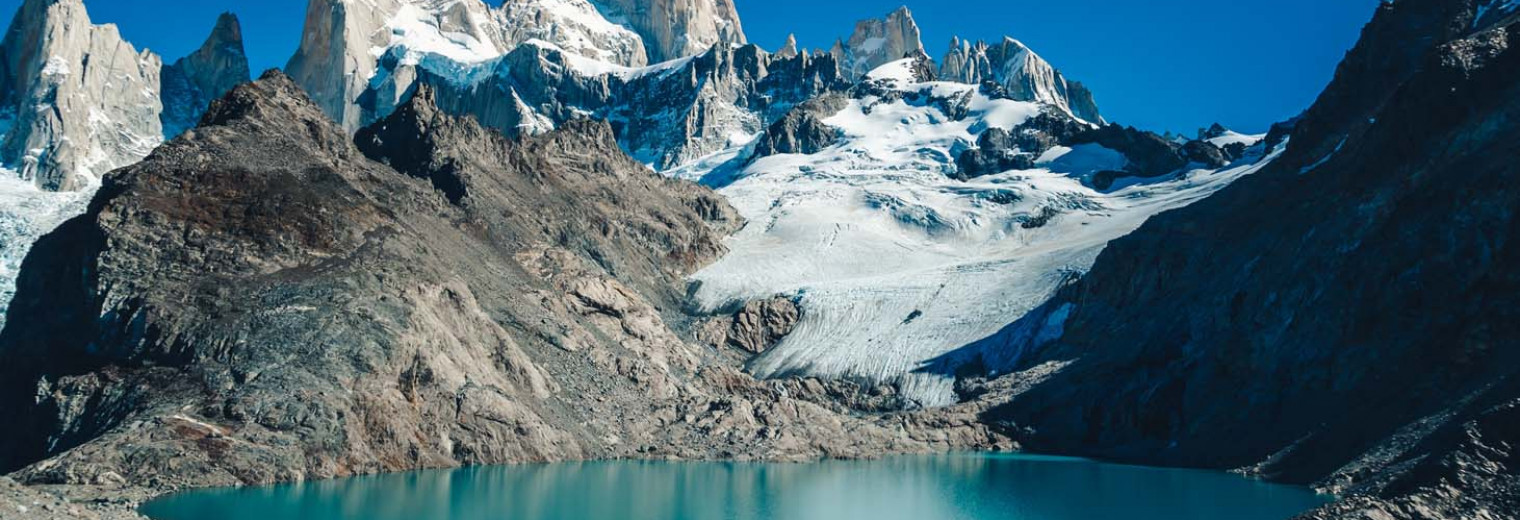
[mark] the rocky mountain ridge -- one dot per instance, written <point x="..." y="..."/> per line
<point x="681" y="115"/>
<point x="877" y="42"/>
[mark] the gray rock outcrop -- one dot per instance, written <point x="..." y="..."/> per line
<point x="81" y="101"/>
<point x="757" y="327"/>
<point x="788" y="49"/>
<point x="678" y="28"/>
<point x="1205" y="154"/>
<point x="999" y="150"/>
<point x="995" y="152"/>
<point x="802" y="130"/>
<point x="333" y="62"/>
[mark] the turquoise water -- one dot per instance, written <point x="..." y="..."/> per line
<point x="957" y="486"/>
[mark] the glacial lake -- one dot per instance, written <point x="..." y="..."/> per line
<point x="955" y="486"/>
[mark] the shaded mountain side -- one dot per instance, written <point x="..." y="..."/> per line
<point x="1346" y="317"/>
<point x="261" y="300"/>
<point x="194" y="81"/>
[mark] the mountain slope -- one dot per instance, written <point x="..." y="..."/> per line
<point x="1345" y="317"/>
<point x="93" y="104"/>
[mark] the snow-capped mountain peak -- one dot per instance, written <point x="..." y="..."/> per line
<point x="877" y="42"/>
<point x="77" y="100"/>
<point x="1021" y="71"/>
<point x="348" y="44"/>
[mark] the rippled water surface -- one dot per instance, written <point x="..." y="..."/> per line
<point x="957" y="486"/>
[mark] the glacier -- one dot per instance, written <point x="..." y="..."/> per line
<point x="26" y="213"/>
<point x="894" y="262"/>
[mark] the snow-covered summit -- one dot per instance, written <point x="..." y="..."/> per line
<point x="574" y="26"/>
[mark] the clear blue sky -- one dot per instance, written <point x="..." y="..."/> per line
<point x="1157" y="64"/>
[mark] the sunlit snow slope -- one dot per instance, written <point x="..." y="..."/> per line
<point x="894" y="261"/>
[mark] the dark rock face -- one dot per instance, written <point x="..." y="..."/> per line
<point x="192" y="83"/>
<point x="1149" y="154"/>
<point x="262" y="301"/>
<point x="1082" y="103"/>
<point x="1206" y="154"/>
<point x="1346" y="317"/>
<point x="1213" y="131"/>
<point x="1234" y="151"/>
<point x="802" y="130"/>
<point x="999" y="150"/>
<point x="1279" y="133"/>
<point x="1045" y="131"/>
<point x="923" y="66"/>
<point x="1104" y="180"/>
<point x="995" y="152"/>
